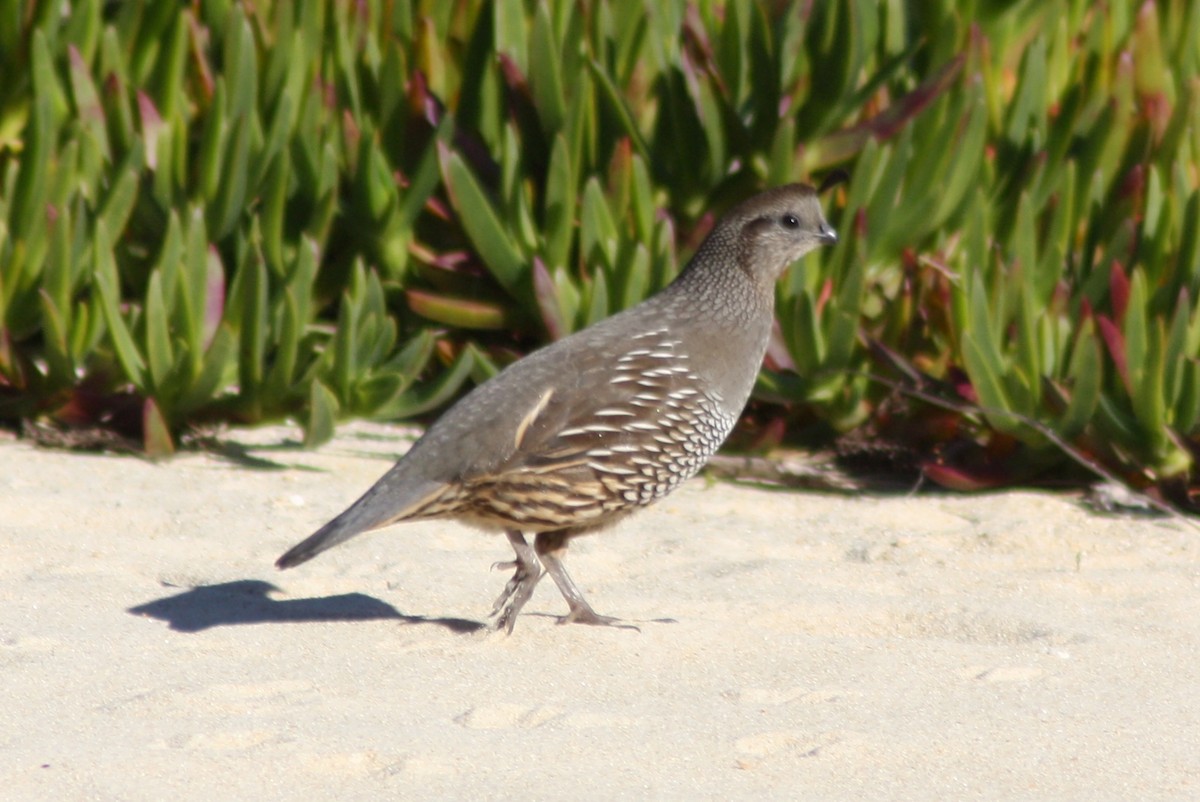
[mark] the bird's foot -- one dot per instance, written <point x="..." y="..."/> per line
<point x="550" y="545"/>
<point x="513" y="597"/>
<point x="520" y="587"/>
<point x="584" y="614"/>
<point x="515" y="594"/>
<point x="505" y="617"/>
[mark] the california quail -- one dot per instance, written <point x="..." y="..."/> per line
<point x="581" y="433"/>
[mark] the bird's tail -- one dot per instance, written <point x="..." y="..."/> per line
<point x="336" y="531"/>
<point x="379" y="506"/>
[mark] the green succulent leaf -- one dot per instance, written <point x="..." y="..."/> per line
<point x="159" y="356"/>
<point x="426" y="396"/>
<point x="322" y="415"/>
<point x="156" y="432"/>
<point x="1086" y="374"/>
<point x="482" y="225"/>
<point x="463" y="313"/>
<point x="218" y="371"/>
<point x="108" y="287"/>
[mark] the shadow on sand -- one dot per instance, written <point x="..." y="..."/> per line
<point x="247" y="601"/>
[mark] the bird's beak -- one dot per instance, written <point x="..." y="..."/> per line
<point x="827" y="235"/>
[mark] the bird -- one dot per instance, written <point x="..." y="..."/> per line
<point x="581" y="433"/>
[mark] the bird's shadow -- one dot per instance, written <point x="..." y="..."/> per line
<point x="248" y="601"/>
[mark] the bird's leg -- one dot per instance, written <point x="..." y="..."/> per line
<point x="550" y="546"/>
<point x="520" y="587"/>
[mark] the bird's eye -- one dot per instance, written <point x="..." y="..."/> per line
<point x="789" y="221"/>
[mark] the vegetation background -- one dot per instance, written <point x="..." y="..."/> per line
<point x="240" y="211"/>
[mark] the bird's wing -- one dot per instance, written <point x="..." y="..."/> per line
<point x="634" y="409"/>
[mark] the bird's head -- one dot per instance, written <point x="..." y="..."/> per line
<point x="777" y="227"/>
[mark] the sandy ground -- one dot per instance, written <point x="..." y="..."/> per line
<point x="791" y="645"/>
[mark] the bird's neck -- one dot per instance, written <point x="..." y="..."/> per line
<point x="718" y="289"/>
<point x="723" y="314"/>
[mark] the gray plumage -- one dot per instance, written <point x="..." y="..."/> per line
<point x="584" y="431"/>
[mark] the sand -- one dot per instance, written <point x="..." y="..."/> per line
<point x="792" y="644"/>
